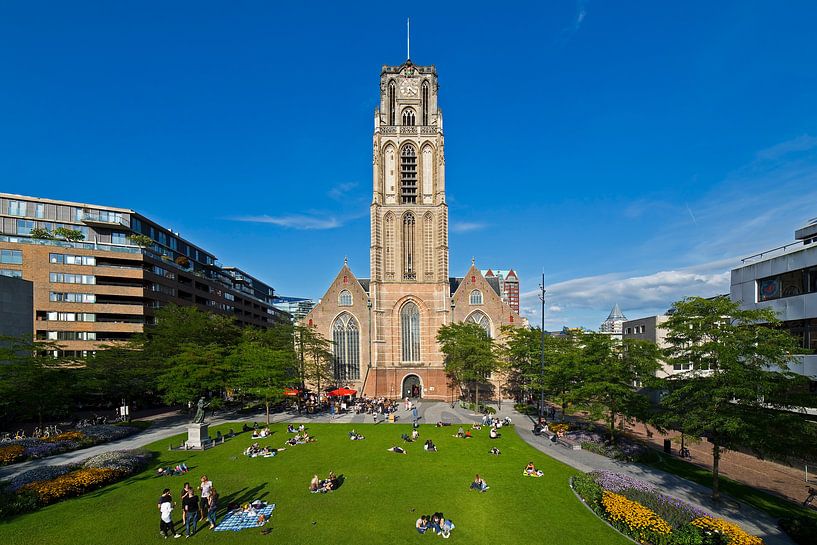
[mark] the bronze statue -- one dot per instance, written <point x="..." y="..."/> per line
<point x="199" y="418"/>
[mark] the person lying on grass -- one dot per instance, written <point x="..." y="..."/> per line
<point x="354" y="436"/>
<point x="397" y="449"/>
<point x="430" y="446"/>
<point x="261" y="433"/>
<point x="479" y="484"/>
<point x="180" y="469"/>
<point x="531" y="470"/>
<point x="291" y="429"/>
<point x="494" y="451"/>
<point x="406" y="438"/>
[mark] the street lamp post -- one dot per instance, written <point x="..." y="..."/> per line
<point x="542" y="358"/>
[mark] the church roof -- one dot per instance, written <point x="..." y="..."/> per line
<point x="364" y="283"/>
<point x="616" y="314"/>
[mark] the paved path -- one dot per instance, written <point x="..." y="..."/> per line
<point x="747" y="517"/>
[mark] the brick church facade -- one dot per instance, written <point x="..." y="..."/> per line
<point x="383" y="328"/>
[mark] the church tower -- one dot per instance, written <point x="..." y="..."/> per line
<point x="409" y="289"/>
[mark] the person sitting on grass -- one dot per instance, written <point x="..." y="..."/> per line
<point x="460" y="433"/>
<point x="430" y="446"/>
<point x="468" y="434"/>
<point x="479" y="484"/>
<point x="494" y="451"/>
<point x="315" y="484"/>
<point x="445" y="527"/>
<point x="355" y="436"/>
<point x="397" y="449"/>
<point x="476" y="427"/>
<point x="415" y="434"/>
<point x="531" y="470"/>
<point x="435" y="521"/>
<point x="291" y="429"/>
<point x="493" y="434"/>
<point x="422" y="524"/>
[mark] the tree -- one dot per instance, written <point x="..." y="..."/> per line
<point x="262" y="363"/>
<point x="610" y="373"/>
<point x="42" y="233"/>
<point x="121" y="372"/>
<point x="71" y="235"/>
<point x="469" y="354"/>
<point x="193" y="372"/>
<point x="738" y="381"/>
<point x="33" y="383"/>
<point x="313" y="357"/>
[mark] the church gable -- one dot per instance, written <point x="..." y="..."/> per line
<point x="344" y="294"/>
<point x="476" y="294"/>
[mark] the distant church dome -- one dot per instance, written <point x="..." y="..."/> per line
<point x="614" y="321"/>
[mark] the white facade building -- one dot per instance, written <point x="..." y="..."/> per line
<point x="785" y="280"/>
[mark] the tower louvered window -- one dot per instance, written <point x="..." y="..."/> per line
<point x="409" y="272"/>
<point x="410" y="332"/>
<point x="408" y="117"/>
<point x="425" y="102"/>
<point x="389" y="246"/>
<point x="408" y="175"/>
<point x="392" y="102"/>
<point x="428" y="244"/>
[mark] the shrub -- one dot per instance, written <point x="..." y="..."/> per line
<point x="11" y="453"/>
<point x="718" y="528"/>
<point x="634" y="518"/>
<point x="588" y="490"/>
<point x="71" y="484"/>
<point x="802" y="530"/>
<point x="15" y="504"/>
<point x="559" y="428"/>
<point x="488" y="410"/>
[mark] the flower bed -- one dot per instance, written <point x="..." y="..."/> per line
<point x="639" y="510"/>
<point x="49" y="484"/>
<point x="33" y="448"/>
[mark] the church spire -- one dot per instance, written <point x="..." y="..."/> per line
<point x="408" y="38"/>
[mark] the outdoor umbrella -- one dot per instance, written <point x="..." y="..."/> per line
<point x="291" y="392"/>
<point x="342" y="392"/>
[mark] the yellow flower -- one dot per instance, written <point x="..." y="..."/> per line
<point x="734" y="533"/>
<point x="639" y="519"/>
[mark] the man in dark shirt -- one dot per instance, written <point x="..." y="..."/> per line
<point x="190" y="507"/>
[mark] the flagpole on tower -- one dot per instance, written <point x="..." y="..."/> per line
<point x="408" y="37"/>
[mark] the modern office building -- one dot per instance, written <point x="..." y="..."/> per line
<point x="649" y="329"/>
<point x="785" y="280"/>
<point x="297" y="307"/>
<point x="16" y="304"/>
<point x="105" y="287"/>
<point x="508" y="285"/>
<point x="612" y="325"/>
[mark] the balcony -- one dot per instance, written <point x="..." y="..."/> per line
<point x="409" y="129"/>
<point x="104" y="220"/>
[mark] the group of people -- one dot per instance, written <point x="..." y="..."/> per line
<point x="318" y="485"/>
<point x="301" y="435"/>
<point x="463" y="434"/>
<point x="194" y="508"/>
<point x="479" y="484"/>
<point x="260" y="434"/>
<point x="531" y="471"/>
<point x="255" y="450"/>
<point x="436" y="523"/>
<point x="179" y="469"/>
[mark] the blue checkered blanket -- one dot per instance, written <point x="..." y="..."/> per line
<point x="239" y="520"/>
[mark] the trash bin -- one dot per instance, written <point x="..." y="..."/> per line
<point x="667" y="446"/>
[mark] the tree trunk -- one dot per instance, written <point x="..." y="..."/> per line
<point x="267" y="405"/>
<point x="716" y="458"/>
<point x="476" y="402"/>
<point x="612" y="427"/>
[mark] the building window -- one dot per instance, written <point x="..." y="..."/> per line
<point x="408" y="117"/>
<point x="345" y="298"/>
<point x="17" y="208"/>
<point x="788" y="284"/>
<point x="408" y="247"/>
<point x="39" y="211"/>
<point x="481" y="319"/>
<point x="119" y="238"/>
<point x="24" y="227"/>
<point x="425" y="102"/>
<point x="389" y="246"/>
<point x="410" y="331"/>
<point x="476" y="297"/>
<point x="12" y="257"/>
<point x="58" y="297"/>
<point x="428" y="243"/>
<point x="70" y="316"/>
<point x="392" y="102"/>
<point x="62" y="259"/>
<point x="346" y="338"/>
<point x="61" y="278"/>
<point x="13" y="273"/>
<point x="408" y="175"/>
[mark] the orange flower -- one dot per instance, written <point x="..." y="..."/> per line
<point x="734" y="533"/>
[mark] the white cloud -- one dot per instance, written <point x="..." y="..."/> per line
<point x="339" y="191"/>
<point x="554" y="308"/>
<point x="466" y="227"/>
<point x="294" y="221"/>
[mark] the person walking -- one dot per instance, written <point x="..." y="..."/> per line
<point x="165" y="504"/>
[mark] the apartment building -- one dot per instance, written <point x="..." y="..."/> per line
<point x="16" y="306"/>
<point x="104" y="287"/>
<point x="508" y="285"/>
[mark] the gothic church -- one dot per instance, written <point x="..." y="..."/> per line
<point x="383" y="328"/>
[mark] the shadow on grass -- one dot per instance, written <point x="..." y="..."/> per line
<point x="244" y="495"/>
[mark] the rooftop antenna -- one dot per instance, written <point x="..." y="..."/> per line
<point x="408" y="38"/>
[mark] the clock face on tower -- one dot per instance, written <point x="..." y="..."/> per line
<point x="408" y="88"/>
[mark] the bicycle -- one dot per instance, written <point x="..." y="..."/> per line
<point x="809" y="501"/>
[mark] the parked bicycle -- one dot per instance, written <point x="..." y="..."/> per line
<point x="809" y="501"/>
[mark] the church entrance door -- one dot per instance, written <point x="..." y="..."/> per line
<point x="412" y="387"/>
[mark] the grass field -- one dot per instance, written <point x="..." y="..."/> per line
<point x="382" y="495"/>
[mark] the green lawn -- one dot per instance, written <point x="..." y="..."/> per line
<point x="382" y="496"/>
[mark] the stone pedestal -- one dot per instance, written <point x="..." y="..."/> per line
<point x="197" y="437"/>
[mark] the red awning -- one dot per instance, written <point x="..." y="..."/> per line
<point x="291" y="392"/>
<point x="342" y="392"/>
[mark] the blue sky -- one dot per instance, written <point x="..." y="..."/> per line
<point x="633" y="150"/>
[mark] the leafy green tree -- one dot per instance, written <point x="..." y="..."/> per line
<point x="120" y="372"/>
<point x="193" y="372"/>
<point x="469" y="353"/>
<point x="33" y="383"/>
<point x="610" y="372"/>
<point x="263" y="362"/>
<point x="71" y="235"/>
<point x="738" y="390"/>
<point x="313" y="357"/>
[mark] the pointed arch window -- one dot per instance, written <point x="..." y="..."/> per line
<point x="345" y="298"/>
<point x="392" y="102"/>
<point x="476" y="297"/>
<point x="389" y="245"/>
<point x="346" y="341"/>
<point x="410" y="332"/>
<point x="425" y="102"/>
<point x="408" y="175"/>
<point x="409" y="272"/>
<point x="408" y="117"/>
<point x="481" y="319"/>
<point x="428" y="244"/>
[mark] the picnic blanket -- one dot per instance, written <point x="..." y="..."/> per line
<point x="239" y="520"/>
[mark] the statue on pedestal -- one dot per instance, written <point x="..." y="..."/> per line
<point x="199" y="418"/>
